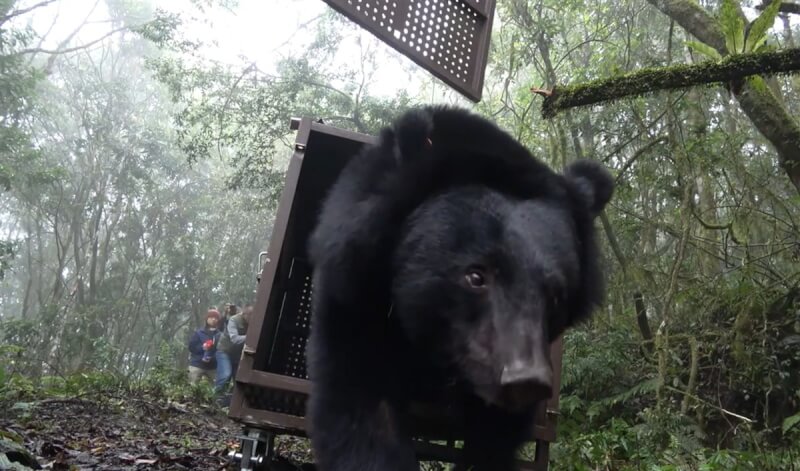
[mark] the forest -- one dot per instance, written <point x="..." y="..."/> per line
<point x="143" y="150"/>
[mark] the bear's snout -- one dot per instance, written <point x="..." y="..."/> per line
<point x="526" y="376"/>
<point x="524" y="383"/>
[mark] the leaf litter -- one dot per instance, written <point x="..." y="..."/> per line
<point x="108" y="432"/>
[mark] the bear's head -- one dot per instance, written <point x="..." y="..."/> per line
<point x="482" y="282"/>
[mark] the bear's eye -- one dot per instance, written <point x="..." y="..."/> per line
<point x="475" y="278"/>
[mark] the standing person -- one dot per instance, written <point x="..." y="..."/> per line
<point x="230" y="348"/>
<point x="203" y="349"/>
<point x="230" y="311"/>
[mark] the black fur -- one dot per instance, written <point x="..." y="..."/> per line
<point x="442" y="191"/>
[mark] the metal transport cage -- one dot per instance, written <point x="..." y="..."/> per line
<point x="271" y="385"/>
<point x="448" y="38"/>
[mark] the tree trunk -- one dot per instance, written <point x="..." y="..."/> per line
<point x="95" y="236"/>
<point x="642" y="321"/>
<point x="26" y="300"/>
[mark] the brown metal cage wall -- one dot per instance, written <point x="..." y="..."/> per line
<point x="449" y="38"/>
<point x="271" y="385"/>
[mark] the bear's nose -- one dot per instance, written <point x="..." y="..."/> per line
<point x="525" y="384"/>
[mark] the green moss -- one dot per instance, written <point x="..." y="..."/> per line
<point x="729" y="69"/>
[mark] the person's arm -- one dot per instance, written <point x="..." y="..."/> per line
<point x="233" y="332"/>
<point x="196" y="344"/>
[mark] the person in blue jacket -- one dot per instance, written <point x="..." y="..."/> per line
<point x="202" y="349"/>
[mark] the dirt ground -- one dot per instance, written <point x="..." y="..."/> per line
<point x="124" y="433"/>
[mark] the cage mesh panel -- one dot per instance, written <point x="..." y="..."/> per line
<point x="449" y="38"/>
<point x="288" y="356"/>
<point x="275" y="400"/>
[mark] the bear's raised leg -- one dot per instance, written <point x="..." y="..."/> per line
<point x="359" y="437"/>
<point x="355" y="426"/>
<point x="493" y="438"/>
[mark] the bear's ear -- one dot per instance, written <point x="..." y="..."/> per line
<point x="412" y="134"/>
<point x="593" y="182"/>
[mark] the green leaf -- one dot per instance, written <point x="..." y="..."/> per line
<point x="759" y="84"/>
<point x="646" y="386"/>
<point x="757" y="34"/>
<point x="757" y="46"/>
<point x="704" y="49"/>
<point x="790" y="422"/>
<point x="732" y="26"/>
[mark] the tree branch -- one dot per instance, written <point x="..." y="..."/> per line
<point x="636" y="156"/>
<point x="786" y="7"/>
<point x="67" y="50"/>
<point x="16" y="13"/>
<point x="695" y="20"/>
<point x="729" y="69"/>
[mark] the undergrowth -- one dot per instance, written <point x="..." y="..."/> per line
<point x="164" y="381"/>
<point x="743" y="414"/>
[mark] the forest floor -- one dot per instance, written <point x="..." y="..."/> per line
<point x="109" y="431"/>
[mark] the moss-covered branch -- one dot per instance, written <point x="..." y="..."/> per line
<point x="729" y="69"/>
<point x="786" y="7"/>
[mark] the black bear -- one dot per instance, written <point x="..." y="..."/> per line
<point x="445" y="260"/>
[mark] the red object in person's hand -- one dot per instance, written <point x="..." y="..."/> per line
<point x="208" y="344"/>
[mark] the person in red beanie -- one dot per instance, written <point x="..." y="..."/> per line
<point x="202" y="349"/>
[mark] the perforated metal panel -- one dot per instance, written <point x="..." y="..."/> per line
<point x="449" y="38"/>
<point x="275" y="400"/>
<point x="288" y="355"/>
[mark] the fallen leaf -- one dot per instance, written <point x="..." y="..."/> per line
<point x="126" y="457"/>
